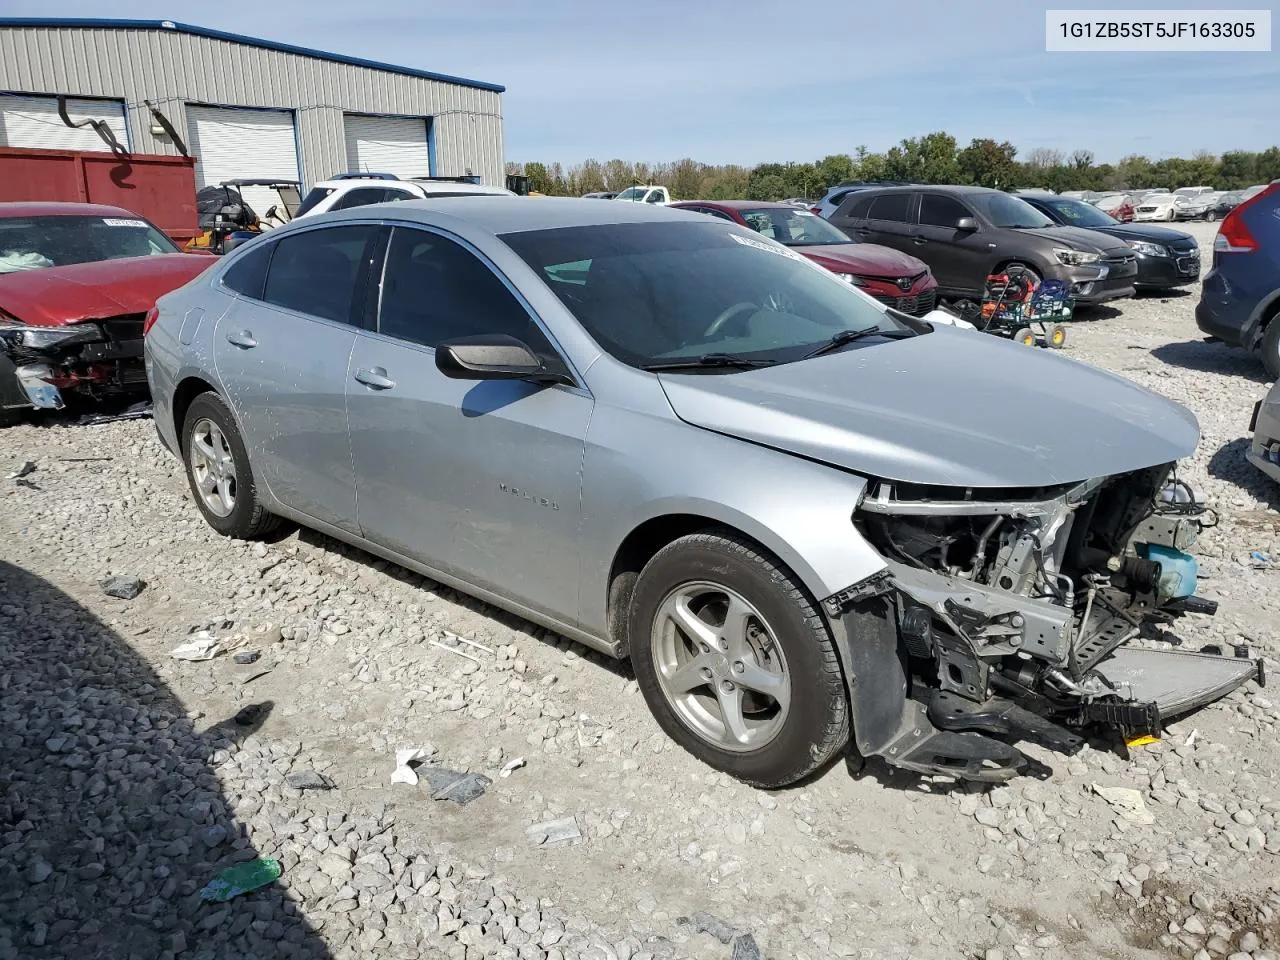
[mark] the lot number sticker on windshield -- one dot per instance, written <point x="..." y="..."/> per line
<point x="768" y="246"/>
<point x="110" y="222"/>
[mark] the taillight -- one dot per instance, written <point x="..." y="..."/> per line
<point x="152" y="316"/>
<point x="816" y="211"/>
<point x="1234" y="235"/>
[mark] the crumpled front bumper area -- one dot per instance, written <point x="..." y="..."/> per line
<point x="934" y="731"/>
<point x="97" y="359"/>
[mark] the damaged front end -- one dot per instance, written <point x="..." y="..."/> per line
<point x="1002" y="616"/>
<point x="95" y="358"/>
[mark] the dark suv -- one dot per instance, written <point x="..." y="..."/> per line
<point x="1240" y="298"/>
<point x="965" y="234"/>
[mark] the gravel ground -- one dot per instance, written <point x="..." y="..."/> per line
<point x="129" y="778"/>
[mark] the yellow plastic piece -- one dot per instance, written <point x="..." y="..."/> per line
<point x="1141" y="741"/>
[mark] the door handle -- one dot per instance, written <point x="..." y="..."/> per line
<point x="375" y="377"/>
<point x="244" y="339"/>
<point x="919" y="241"/>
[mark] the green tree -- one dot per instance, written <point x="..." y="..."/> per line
<point x="927" y="159"/>
<point x="1237" y="169"/>
<point x="830" y="170"/>
<point x="685" y="179"/>
<point x="539" y="179"/>
<point x="989" y="164"/>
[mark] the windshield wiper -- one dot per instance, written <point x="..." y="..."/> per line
<point x="706" y="362"/>
<point x="845" y="337"/>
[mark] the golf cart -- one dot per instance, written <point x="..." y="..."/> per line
<point x="226" y="219"/>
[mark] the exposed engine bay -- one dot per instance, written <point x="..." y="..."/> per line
<point x="95" y="359"/>
<point x="1008" y="612"/>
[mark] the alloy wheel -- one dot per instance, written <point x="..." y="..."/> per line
<point x="213" y="467"/>
<point x="720" y="666"/>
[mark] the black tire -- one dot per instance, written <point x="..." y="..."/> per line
<point x="248" y="518"/>
<point x="1271" y="348"/>
<point x="12" y="417"/>
<point x="1017" y="268"/>
<point x="816" y="724"/>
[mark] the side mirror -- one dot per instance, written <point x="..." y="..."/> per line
<point x="967" y="224"/>
<point x="494" y="357"/>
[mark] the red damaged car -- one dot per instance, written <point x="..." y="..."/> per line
<point x="76" y="282"/>
<point x="895" y="279"/>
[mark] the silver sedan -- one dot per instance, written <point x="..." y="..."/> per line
<point x="797" y="512"/>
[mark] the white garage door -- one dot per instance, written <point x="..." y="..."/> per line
<point x="34" y="122"/>
<point x="387" y="145"/>
<point x="232" y="144"/>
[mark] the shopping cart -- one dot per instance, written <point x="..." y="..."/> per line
<point x="1030" y="312"/>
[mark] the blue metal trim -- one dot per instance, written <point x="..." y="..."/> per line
<point x="432" y="170"/>
<point x="112" y="24"/>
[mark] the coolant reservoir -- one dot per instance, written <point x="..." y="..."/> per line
<point x="1177" y="571"/>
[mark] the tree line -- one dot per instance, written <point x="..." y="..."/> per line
<point x="933" y="158"/>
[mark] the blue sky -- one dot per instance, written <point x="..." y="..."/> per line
<point x="749" y="81"/>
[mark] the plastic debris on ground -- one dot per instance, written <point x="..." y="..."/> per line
<point x="202" y="645"/>
<point x="746" y="948"/>
<point x="242" y="878"/>
<point x="1143" y="741"/>
<point x="403" y="773"/>
<point x="1127" y="802"/>
<point x="551" y="832"/>
<point x="122" y="588"/>
<point x="511" y="766"/>
<point x="308" y="780"/>
<point x="453" y="785"/>
<point x="247" y="657"/>
<point x="135" y="411"/>
<point x="25" y="470"/>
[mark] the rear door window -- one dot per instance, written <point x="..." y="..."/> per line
<point x="893" y="207"/>
<point x="322" y="272"/>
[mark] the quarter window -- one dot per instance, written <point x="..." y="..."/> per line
<point x="360" y="197"/>
<point x="434" y="290"/>
<point x="247" y="275"/>
<point x="320" y="272"/>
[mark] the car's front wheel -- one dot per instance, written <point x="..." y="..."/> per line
<point x="1271" y="348"/>
<point x="218" y="471"/>
<point x="735" y="661"/>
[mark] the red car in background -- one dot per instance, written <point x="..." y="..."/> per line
<point x="76" y="283"/>
<point x="895" y="279"/>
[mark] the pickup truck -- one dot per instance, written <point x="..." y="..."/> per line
<point x="646" y="194"/>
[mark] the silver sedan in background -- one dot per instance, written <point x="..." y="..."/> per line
<point x="797" y="512"/>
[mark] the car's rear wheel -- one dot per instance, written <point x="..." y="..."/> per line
<point x="1211" y="215"/>
<point x="735" y="662"/>
<point x="218" y="471"/>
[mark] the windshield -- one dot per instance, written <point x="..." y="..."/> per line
<point x="632" y="193"/>
<point x="1077" y="213"/>
<point x="1008" y="211"/>
<point x="795" y="228"/>
<point x="31" y="243"/>
<point x="651" y="293"/>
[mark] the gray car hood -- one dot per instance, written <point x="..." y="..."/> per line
<point x="952" y="407"/>
<point x="1077" y="238"/>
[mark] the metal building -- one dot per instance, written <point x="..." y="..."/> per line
<point x="244" y="107"/>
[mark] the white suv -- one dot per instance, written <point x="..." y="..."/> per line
<point x="348" y="190"/>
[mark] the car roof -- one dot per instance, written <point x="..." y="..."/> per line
<point x="742" y="204"/>
<point x="51" y="208"/>
<point x="452" y="186"/>
<point x="501" y="214"/>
